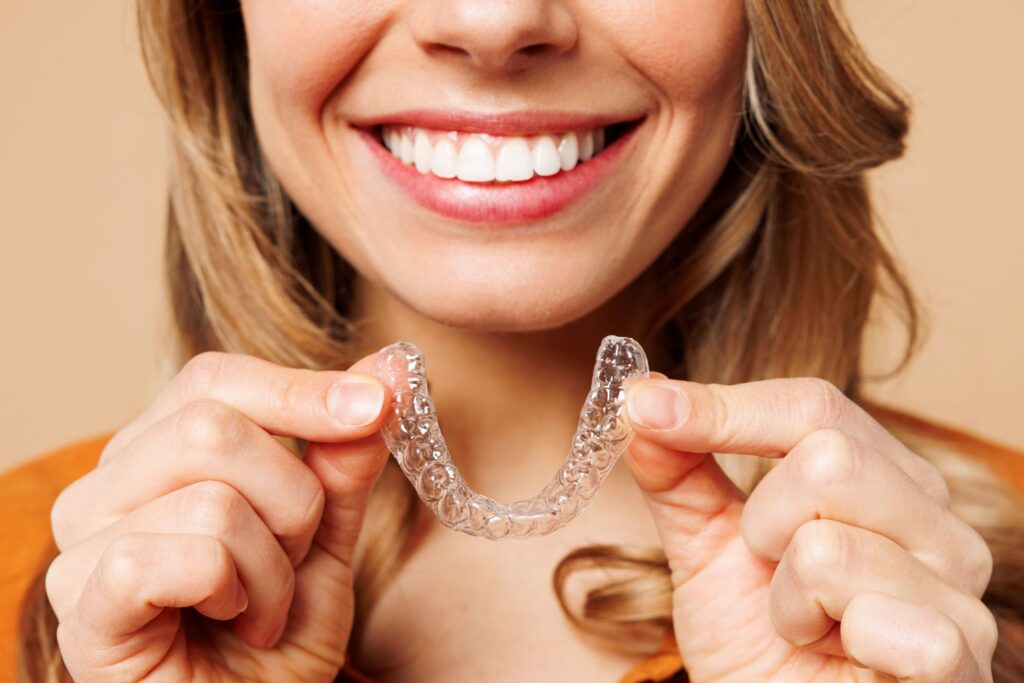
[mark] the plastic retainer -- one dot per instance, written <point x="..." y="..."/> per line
<point x="413" y="437"/>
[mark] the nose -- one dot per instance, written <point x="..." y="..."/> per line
<point x="500" y="36"/>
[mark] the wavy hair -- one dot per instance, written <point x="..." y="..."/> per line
<point x="776" y="275"/>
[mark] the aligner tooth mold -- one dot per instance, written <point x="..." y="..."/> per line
<point x="414" y="439"/>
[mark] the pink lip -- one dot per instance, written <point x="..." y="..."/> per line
<point x="533" y="199"/>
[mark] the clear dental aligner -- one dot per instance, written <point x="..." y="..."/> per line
<point x="414" y="438"/>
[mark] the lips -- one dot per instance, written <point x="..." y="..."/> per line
<point x="481" y="201"/>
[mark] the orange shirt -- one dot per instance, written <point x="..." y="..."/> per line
<point x="27" y="493"/>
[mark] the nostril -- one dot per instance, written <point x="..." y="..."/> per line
<point x="537" y="48"/>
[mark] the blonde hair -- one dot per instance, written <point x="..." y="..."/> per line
<point x="775" y="276"/>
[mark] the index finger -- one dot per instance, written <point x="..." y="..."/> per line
<point x="326" y="405"/>
<point x="767" y="418"/>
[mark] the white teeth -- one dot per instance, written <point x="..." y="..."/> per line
<point x="568" y="151"/>
<point x="480" y="158"/>
<point x="422" y="152"/>
<point x="444" y="163"/>
<point x="475" y="161"/>
<point x="392" y="139"/>
<point x="514" y="161"/>
<point x="545" y="157"/>
<point x="406" y="151"/>
<point x="587" y="146"/>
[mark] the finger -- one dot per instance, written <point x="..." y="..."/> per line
<point x="766" y="418"/>
<point x="314" y="405"/>
<point x="829" y="563"/>
<point x="689" y="496"/>
<point x="828" y="475"/>
<point x="205" y="440"/>
<point x="121" y="623"/>
<point x="907" y="640"/>
<point x="207" y="507"/>
<point x="694" y="504"/>
<point x="348" y="471"/>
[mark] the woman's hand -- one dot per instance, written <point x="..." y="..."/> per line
<point x="845" y="557"/>
<point x="196" y="504"/>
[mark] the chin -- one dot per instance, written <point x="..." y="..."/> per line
<point x="492" y="307"/>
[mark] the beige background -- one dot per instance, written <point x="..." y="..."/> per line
<point x="82" y="169"/>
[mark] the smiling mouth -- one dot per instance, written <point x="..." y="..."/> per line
<point x="488" y="158"/>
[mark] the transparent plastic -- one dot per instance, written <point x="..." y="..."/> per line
<point x="414" y="438"/>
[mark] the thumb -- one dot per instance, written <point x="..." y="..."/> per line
<point x="695" y="505"/>
<point x="322" y="607"/>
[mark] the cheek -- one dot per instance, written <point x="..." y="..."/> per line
<point x="300" y="50"/>
<point x="299" y="53"/>
<point x="691" y="51"/>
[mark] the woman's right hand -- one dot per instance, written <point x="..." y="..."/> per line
<point x="196" y="504"/>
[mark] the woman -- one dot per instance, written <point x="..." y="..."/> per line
<point x="451" y="172"/>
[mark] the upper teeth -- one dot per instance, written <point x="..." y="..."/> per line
<point x="481" y="157"/>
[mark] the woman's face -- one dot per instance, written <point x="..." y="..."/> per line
<point x="512" y="253"/>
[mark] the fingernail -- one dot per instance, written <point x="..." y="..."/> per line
<point x="656" y="406"/>
<point x="241" y="598"/>
<point x="355" y="401"/>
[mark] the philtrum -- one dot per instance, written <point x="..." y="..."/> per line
<point x="414" y="438"/>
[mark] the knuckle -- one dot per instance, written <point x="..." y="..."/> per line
<point x="980" y="560"/>
<point x="212" y="507"/>
<point x="124" y="563"/>
<point x="200" y="374"/>
<point x="818" y="551"/>
<point x="985" y="630"/>
<point x="59" y="518"/>
<point x="723" y="423"/>
<point x="976" y="625"/>
<point x="54" y="579"/>
<point x="66" y="520"/>
<point x="944" y="644"/>
<point x="824" y="456"/>
<point x="291" y="392"/>
<point x="824" y="402"/>
<point x="207" y="426"/>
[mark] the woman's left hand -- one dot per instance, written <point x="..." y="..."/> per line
<point x="844" y="560"/>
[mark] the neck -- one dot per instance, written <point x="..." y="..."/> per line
<point x="507" y="402"/>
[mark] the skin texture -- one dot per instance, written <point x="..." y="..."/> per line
<point x="846" y="553"/>
<point x="845" y="556"/>
<point x="316" y="64"/>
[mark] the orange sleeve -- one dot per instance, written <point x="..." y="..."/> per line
<point x="27" y="493"/>
<point x="664" y="667"/>
<point x="1005" y="461"/>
